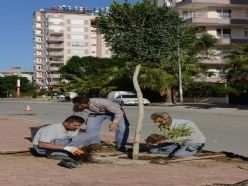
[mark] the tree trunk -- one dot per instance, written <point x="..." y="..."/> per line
<point x="139" y="124"/>
<point x="168" y="95"/>
<point x="173" y="96"/>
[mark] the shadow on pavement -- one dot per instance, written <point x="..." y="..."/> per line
<point x="205" y="106"/>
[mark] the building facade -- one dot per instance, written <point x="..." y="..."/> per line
<point x="60" y="33"/>
<point x="16" y="71"/>
<point x="227" y="20"/>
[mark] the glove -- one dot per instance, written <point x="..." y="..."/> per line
<point x="113" y="127"/>
<point x="73" y="150"/>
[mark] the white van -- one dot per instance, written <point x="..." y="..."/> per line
<point x="125" y="98"/>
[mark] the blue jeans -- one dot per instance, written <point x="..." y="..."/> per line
<point x="93" y="125"/>
<point x="184" y="150"/>
<point x="80" y="140"/>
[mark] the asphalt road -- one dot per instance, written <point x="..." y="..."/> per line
<point x="225" y="128"/>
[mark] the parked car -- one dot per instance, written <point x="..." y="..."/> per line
<point x="66" y="96"/>
<point x="60" y="97"/>
<point x="125" y="98"/>
<point x="72" y="94"/>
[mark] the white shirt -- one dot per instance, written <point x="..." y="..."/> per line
<point x="196" y="135"/>
<point x="51" y="132"/>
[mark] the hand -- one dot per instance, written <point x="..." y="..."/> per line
<point x="161" y="141"/>
<point x="113" y="127"/>
<point x="74" y="150"/>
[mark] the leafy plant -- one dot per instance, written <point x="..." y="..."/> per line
<point x="175" y="134"/>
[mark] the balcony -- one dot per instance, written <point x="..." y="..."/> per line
<point x="38" y="62"/>
<point x="212" y="61"/>
<point x="37" y="41"/>
<point x="56" y="46"/>
<point x="57" y="24"/>
<point x="55" y="39"/>
<point x="199" y="18"/>
<point x="54" y="68"/>
<point x="53" y="33"/>
<point x="205" y="3"/>
<point x="56" y="62"/>
<point x="54" y="75"/>
<point x="216" y="78"/>
<point x="55" y="54"/>
<point x="229" y="40"/>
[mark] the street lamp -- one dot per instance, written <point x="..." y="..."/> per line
<point x="180" y="73"/>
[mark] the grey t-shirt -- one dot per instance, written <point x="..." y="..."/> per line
<point x="196" y="135"/>
<point x="51" y="132"/>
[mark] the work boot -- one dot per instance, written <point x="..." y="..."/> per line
<point x="70" y="164"/>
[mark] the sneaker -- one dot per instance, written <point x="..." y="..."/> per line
<point x="70" y="164"/>
<point x="124" y="150"/>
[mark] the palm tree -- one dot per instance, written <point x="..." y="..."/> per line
<point x="236" y="66"/>
<point x="158" y="80"/>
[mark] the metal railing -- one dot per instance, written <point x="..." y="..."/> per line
<point x="199" y="14"/>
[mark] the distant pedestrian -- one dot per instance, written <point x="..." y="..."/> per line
<point x="62" y="139"/>
<point x="190" y="143"/>
<point x="96" y="111"/>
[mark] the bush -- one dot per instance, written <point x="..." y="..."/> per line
<point x="205" y="89"/>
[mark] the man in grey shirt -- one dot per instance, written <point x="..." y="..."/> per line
<point x="63" y="138"/>
<point x="190" y="143"/>
<point x="100" y="109"/>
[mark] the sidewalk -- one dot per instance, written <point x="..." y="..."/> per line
<point x="26" y="170"/>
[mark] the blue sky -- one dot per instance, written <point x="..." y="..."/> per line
<point x="16" y="28"/>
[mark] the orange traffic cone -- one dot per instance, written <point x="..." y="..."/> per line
<point x="27" y="108"/>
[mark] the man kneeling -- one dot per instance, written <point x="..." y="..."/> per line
<point x="179" y="138"/>
<point x="62" y="139"/>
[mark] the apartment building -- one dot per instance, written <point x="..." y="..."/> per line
<point x="60" y="33"/>
<point x="225" y="19"/>
<point x="16" y="71"/>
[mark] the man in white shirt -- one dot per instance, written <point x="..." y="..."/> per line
<point x="62" y="138"/>
<point x="190" y="143"/>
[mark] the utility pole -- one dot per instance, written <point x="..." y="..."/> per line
<point x="180" y="73"/>
<point x="18" y="85"/>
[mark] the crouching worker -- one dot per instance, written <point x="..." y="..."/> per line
<point x="63" y="139"/>
<point x="97" y="111"/>
<point x="178" y="138"/>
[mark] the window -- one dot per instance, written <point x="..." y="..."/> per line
<point x="223" y="32"/>
<point x="55" y="20"/>
<point x="86" y="52"/>
<point x="246" y="32"/>
<point x="246" y="13"/>
<point x="77" y="44"/>
<point x="224" y="13"/>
